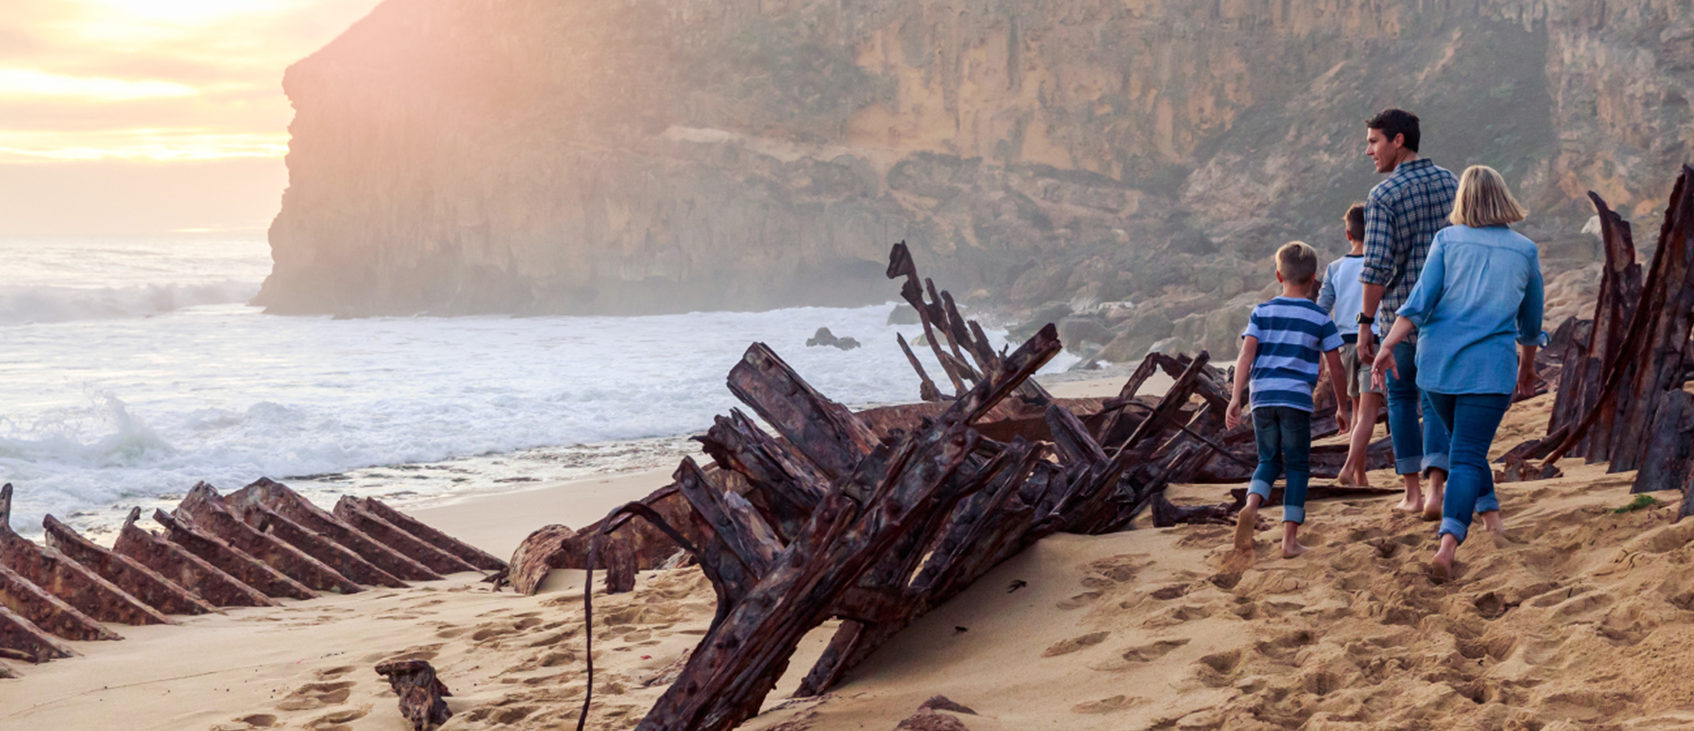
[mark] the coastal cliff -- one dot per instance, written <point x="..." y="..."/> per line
<point x="463" y="156"/>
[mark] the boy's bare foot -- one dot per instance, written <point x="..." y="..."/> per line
<point x="1292" y="549"/>
<point x="1246" y="522"/>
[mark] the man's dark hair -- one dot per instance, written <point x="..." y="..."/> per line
<point x="1392" y="122"/>
<point x="1355" y="219"/>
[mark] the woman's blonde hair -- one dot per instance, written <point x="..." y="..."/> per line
<point x="1484" y="200"/>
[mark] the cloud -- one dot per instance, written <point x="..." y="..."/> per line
<point x="33" y="83"/>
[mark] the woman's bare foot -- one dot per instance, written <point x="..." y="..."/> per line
<point x="1411" y="503"/>
<point x="1432" y="507"/>
<point x="1245" y="522"/>
<point x="1492" y="521"/>
<point x="1290" y="549"/>
<point x="1441" y="565"/>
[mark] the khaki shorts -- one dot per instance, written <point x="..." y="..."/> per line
<point x="1358" y="374"/>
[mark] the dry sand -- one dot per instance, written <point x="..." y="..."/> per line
<point x="1582" y="618"/>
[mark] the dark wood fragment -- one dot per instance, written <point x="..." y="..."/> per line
<point x="185" y="569"/>
<point x="128" y="574"/>
<point x="420" y="692"/>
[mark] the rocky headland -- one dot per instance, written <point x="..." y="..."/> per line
<point x="1125" y="169"/>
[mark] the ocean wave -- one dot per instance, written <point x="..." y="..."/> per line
<point x="50" y="304"/>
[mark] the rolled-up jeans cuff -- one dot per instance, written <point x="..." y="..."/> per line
<point x="1260" y="488"/>
<point x="1293" y="514"/>
<point x="1487" y="504"/>
<point x="1408" y="465"/>
<point x="1453" y="526"/>
<point x="1440" y="461"/>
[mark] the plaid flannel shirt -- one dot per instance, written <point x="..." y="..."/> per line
<point x="1402" y="215"/>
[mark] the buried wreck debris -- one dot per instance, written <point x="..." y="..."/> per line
<point x="215" y="552"/>
<point x="875" y="518"/>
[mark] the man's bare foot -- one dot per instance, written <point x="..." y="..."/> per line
<point x="1246" y="522"/>
<point x="1410" y="504"/>
<point x="1290" y="550"/>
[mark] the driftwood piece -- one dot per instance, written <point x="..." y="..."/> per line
<point x="337" y="557"/>
<point x="420" y="692"/>
<point x="824" y="431"/>
<point x="231" y="560"/>
<point x="128" y="574"/>
<point x="1169" y="404"/>
<point x="20" y="639"/>
<point x="783" y="488"/>
<point x="1670" y="450"/>
<point x="67" y="579"/>
<point x="205" y="508"/>
<point x="1167" y="513"/>
<point x="476" y="557"/>
<point x="926" y="387"/>
<point x="185" y="569"/>
<point x="48" y="612"/>
<point x="289" y="504"/>
<point x="356" y="513"/>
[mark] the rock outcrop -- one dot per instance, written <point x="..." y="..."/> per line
<point x="632" y="157"/>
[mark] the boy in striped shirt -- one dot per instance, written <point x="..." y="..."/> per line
<point x="1280" y="350"/>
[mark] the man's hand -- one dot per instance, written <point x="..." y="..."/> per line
<point x="1367" y="343"/>
<point x="1344" y="414"/>
<point x="1232" y="415"/>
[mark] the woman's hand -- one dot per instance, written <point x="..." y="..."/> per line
<point x="1526" y="382"/>
<point x="1381" y="367"/>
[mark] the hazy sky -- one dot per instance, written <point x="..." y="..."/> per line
<point x="148" y="117"/>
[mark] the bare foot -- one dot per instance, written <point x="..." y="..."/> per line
<point x="1410" y="504"/>
<point x="1290" y="550"/>
<point x="1441" y="568"/>
<point x="1492" y="521"/>
<point x="1245" y="522"/>
<point x="1432" y="508"/>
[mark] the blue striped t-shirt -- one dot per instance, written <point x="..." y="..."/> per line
<point x="1293" y="335"/>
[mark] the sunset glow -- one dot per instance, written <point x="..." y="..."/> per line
<point x="165" y="83"/>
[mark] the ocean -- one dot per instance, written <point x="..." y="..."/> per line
<point x="132" y="369"/>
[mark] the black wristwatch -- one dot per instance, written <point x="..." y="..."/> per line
<point x="1365" y="319"/>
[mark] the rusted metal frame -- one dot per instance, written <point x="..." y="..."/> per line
<point x="233" y="561"/>
<point x="20" y="639"/>
<point x="926" y="387"/>
<point x="355" y="512"/>
<point x="47" y="611"/>
<point x="175" y="563"/>
<point x="205" y="509"/>
<point x="328" y="552"/>
<point x="79" y="586"/>
<point x="128" y="574"/>
<point x="289" y="504"/>
<point x="1173" y="400"/>
<point x="476" y="557"/>
<point x="822" y="430"/>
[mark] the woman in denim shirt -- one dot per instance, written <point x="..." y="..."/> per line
<point x="1480" y="287"/>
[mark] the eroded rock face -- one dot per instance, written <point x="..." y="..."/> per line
<point x="456" y="156"/>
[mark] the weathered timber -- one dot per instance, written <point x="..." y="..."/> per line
<point x="231" y="560"/>
<point x="1167" y="513"/>
<point x="926" y="387"/>
<point x="205" y="508"/>
<point x="128" y="574"/>
<point x="48" y="612"/>
<point x="67" y="579"/>
<point x="466" y="552"/>
<point x="1326" y="461"/>
<point x="354" y="512"/>
<point x="20" y="639"/>
<point x="1174" y="399"/>
<point x="1588" y="352"/>
<point x="420" y="692"/>
<point x="330" y="553"/>
<point x="783" y="488"/>
<point x="740" y="548"/>
<point x="289" y="504"/>
<point x="824" y="431"/>
<point x="1670" y="448"/>
<point x="183" y="568"/>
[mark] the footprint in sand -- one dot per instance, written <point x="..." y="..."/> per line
<point x="1079" y="601"/>
<point x="1066" y="647"/>
<point x="1176" y="615"/>
<point x="316" y="695"/>
<point x="1219" y="669"/>
<point x="337" y="720"/>
<point x="1106" y="705"/>
<point x="1153" y="651"/>
<point x="1171" y="592"/>
<point x="333" y="673"/>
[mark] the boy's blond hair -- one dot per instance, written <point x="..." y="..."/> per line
<point x="1484" y="200"/>
<point x="1297" y="262"/>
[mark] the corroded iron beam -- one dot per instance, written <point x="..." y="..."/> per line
<point x="185" y="569"/>
<point x="67" y="579"/>
<point x="128" y="574"/>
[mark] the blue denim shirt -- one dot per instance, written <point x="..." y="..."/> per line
<point x="1479" y="287"/>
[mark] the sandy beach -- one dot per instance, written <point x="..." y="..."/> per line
<point x="1582" y="617"/>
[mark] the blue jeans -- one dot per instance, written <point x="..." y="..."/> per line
<point x="1472" y="419"/>
<point x="1417" y="448"/>
<point x="1285" y="445"/>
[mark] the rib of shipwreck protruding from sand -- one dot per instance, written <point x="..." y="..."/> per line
<point x="67" y="579"/>
<point x="463" y="551"/>
<point x="20" y="639"/>
<point x="186" y="569"/>
<point x="143" y="583"/>
<point x="206" y="509"/>
<point x="233" y="561"/>
<point x="48" y="612"/>
<point x="353" y="511"/>
<point x="287" y="503"/>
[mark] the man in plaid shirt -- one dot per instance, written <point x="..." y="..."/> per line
<point x="1402" y="215"/>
